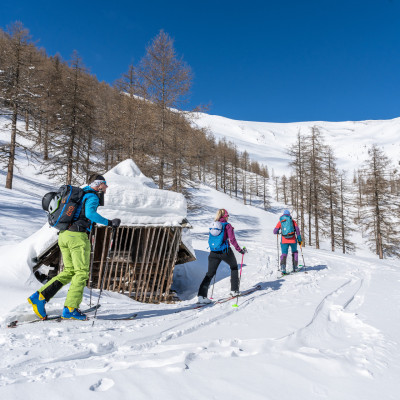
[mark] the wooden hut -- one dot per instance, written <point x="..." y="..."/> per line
<point x="137" y="261"/>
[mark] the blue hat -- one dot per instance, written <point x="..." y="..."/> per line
<point x="286" y="212"/>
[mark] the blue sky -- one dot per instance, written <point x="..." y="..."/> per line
<point x="272" y="61"/>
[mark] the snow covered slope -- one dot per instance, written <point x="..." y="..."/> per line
<point x="330" y="333"/>
<point x="267" y="142"/>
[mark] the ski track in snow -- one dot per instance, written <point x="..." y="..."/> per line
<point x="324" y="340"/>
<point x="96" y="357"/>
<point x="335" y="324"/>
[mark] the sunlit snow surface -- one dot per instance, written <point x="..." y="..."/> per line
<point x="332" y="333"/>
<point x="135" y="199"/>
<point x="268" y="142"/>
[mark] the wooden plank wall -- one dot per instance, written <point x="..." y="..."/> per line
<point x="141" y="261"/>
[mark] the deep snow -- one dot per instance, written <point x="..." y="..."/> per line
<point x="332" y="333"/>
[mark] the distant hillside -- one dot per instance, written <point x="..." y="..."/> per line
<point x="267" y="142"/>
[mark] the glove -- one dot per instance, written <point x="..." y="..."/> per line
<point x="115" y="223"/>
<point x="299" y="241"/>
<point x="243" y="251"/>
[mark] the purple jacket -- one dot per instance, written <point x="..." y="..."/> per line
<point x="230" y="234"/>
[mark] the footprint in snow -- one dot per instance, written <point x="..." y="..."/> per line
<point x="102" y="385"/>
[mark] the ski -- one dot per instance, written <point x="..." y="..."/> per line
<point x="128" y="317"/>
<point x="244" y="293"/>
<point x="14" y="324"/>
<point x="225" y="299"/>
<point x="300" y="269"/>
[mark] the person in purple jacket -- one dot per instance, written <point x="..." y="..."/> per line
<point x="225" y="254"/>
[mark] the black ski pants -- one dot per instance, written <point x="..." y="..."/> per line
<point x="214" y="259"/>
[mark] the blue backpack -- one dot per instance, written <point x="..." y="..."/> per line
<point x="216" y="237"/>
<point x="287" y="226"/>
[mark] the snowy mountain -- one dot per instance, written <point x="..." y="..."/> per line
<point x="267" y="142"/>
<point x="330" y="333"/>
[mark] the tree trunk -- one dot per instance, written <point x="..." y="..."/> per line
<point x="13" y="143"/>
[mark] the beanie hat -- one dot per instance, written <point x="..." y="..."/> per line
<point x="96" y="180"/>
<point x="96" y="177"/>
<point x="286" y="212"/>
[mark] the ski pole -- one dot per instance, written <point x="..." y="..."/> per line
<point x="93" y="241"/>
<point x="304" y="264"/>
<point x="277" y="247"/>
<point x="105" y="272"/>
<point x="240" y="277"/>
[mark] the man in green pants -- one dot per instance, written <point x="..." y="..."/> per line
<point x="75" y="249"/>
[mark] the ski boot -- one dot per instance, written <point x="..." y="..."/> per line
<point x="283" y="264"/>
<point x="73" y="313"/>
<point x="284" y="272"/>
<point x="234" y="293"/>
<point x="203" y="300"/>
<point x="38" y="302"/>
<point x="295" y="262"/>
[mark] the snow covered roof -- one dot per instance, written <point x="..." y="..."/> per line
<point x="135" y="199"/>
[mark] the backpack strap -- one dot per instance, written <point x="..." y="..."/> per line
<point x="81" y="223"/>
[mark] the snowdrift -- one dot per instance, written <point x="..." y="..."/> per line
<point x="135" y="199"/>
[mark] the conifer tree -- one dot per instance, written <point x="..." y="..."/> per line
<point x="69" y="150"/>
<point x="15" y="79"/>
<point x="167" y="80"/>
<point x="343" y="222"/>
<point x="298" y="157"/>
<point x="383" y="231"/>
<point x="331" y="190"/>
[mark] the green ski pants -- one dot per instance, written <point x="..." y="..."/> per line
<point x="75" y="250"/>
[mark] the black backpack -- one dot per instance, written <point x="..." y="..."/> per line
<point x="61" y="206"/>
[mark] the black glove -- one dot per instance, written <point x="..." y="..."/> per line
<point x="115" y="223"/>
<point x="243" y="251"/>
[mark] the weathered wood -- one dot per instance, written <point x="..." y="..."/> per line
<point x="119" y="258"/>
<point x="165" y="269"/>
<point x="111" y="262"/>
<point x="160" y="272"/>
<point x="157" y="268"/>
<point x="144" y="259"/>
<point x="141" y="264"/>
<point x="147" y="272"/>
<point x="150" y="275"/>
<point x="148" y="263"/>
<point x="173" y="259"/>
<point x="122" y="286"/>
<point x="132" y="276"/>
